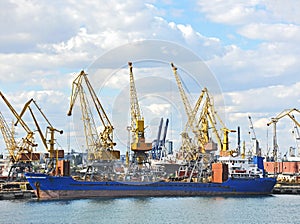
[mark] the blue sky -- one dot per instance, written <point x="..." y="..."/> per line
<point x="251" y="49"/>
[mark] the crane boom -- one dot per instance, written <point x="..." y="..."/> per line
<point x="287" y="112"/>
<point x="186" y="102"/>
<point x="134" y="103"/>
<point x="188" y="147"/>
<point x="28" y="141"/>
<point x="17" y="116"/>
<point x="198" y="103"/>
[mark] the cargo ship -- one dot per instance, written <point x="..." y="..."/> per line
<point x="228" y="176"/>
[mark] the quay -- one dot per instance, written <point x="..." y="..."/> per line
<point x="15" y="190"/>
<point x="286" y="188"/>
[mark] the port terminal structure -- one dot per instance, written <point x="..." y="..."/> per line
<point x="199" y="172"/>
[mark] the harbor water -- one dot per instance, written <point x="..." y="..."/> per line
<point x="263" y="209"/>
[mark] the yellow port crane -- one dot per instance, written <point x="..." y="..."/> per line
<point x="200" y="126"/>
<point x="188" y="147"/>
<point x="209" y="118"/>
<point x="21" y="153"/>
<point x="48" y="144"/>
<point x="138" y="145"/>
<point x="274" y="120"/>
<point x="100" y="145"/>
<point x="9" y="139"/>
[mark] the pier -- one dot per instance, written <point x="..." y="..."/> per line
<point x="286" y="188"/>
<point x="15" y="190"/>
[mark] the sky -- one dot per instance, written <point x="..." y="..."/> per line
<point x="247" y="55"/>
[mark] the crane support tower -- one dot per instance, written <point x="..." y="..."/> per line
<point x="99" y="145"/>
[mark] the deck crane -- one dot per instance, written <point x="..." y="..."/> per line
<point x="53" y="154"/>
<point x="274" y="120"/>
<point x="252" y="128"/>
<point x="139" y="146"/>
<point x="256" y="143"/>
<point x="21" y="153"/>
<point x="100" y="145"/>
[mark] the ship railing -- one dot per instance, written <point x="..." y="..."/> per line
<point x="245" y="175"/>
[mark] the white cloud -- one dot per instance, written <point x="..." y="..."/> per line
<point x="232" y="12"/>
<point x="261" y="123"/>
<point x="271" y="59"/>
<point x="283" y="10"/>
<point x="272" y="63"/>
<point x="159" y="109"/>
<point x="24" y="67"/>
<point x="271" y="32"/>
<point x="267" y="99"/>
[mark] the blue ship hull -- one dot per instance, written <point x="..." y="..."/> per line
<point x="59" y="187"/>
